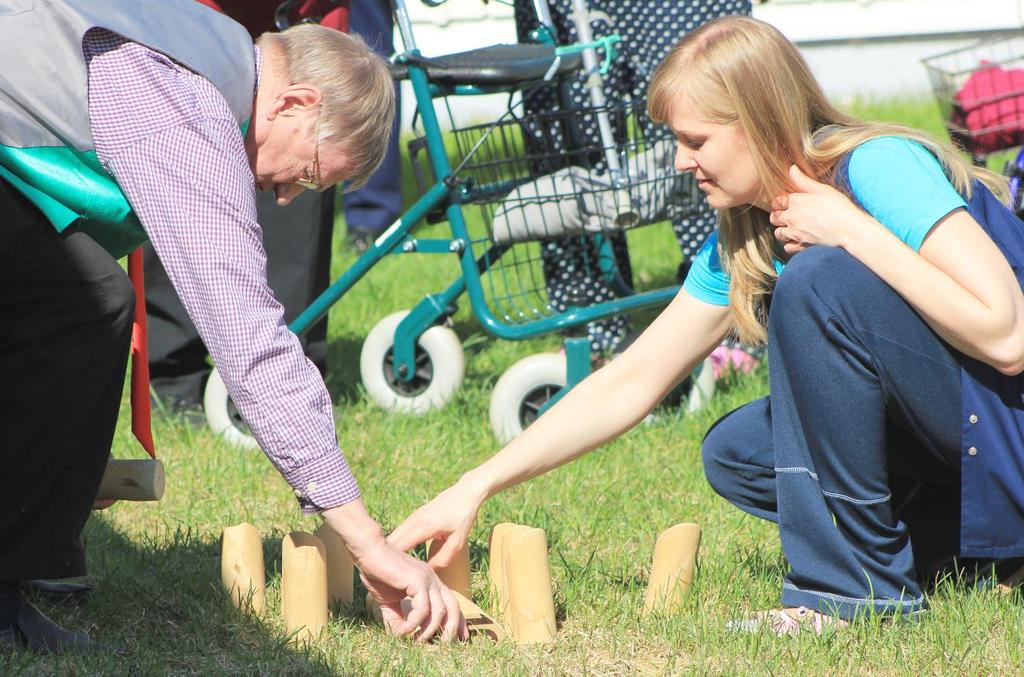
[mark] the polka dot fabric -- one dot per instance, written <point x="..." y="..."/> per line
<point x="648" y="29"/>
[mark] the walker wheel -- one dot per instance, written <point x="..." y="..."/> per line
<point x="222" y="416"/>
<point x="440" y="368"/>
<point x="522" y="391"/>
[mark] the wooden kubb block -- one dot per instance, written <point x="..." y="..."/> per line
<point x="304" y="586"/>
<point x="241" y="567"/>
<point x="457" y="574"/>
<point x="521" y="582"/>
<point x="675" y="559"/>
<point x="340" y="570"/>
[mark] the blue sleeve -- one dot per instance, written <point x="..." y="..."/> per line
<point x="902" y="185"/>
<point x="707" y="281"/>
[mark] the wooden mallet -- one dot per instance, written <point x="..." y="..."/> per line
<point x="136" y="480"/>
<point x="132" y="480"/>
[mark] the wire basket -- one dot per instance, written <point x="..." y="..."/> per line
<point x="534" y="178"/>
<point x="980" y="89"/>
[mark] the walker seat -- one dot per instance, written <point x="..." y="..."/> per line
<point x="494" y="66"/>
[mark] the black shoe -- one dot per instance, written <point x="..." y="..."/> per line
<point x="360" y="238"/>
<point x="10" y="638"/>
<point x="33" y="630"/>
<point x="1010" y="574"/>
<point x="57" y="592"/>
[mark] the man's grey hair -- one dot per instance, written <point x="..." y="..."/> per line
<point x="358" y="106"/>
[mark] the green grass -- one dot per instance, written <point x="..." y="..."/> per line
<point x="157" y="572"/>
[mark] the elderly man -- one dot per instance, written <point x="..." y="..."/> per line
<point x="115" y="115"/>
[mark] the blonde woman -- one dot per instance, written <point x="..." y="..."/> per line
<point x="882" y="272"/>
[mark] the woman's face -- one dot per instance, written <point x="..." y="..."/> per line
<point x="718" y="156"/>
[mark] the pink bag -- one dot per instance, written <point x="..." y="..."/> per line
<point x="990" y="106"/>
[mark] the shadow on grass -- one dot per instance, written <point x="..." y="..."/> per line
<point x="163" y="605"/>
<point x="343" y="377"/>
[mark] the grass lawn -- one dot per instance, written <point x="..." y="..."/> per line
<point x="156" y="567"/>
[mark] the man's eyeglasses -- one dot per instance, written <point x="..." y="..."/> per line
<point x="311" y="180"/>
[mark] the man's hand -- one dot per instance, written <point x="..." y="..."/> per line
<point x="814" y="213"/>
<point x="448" y="518"/>
<point x="391" y="575"/>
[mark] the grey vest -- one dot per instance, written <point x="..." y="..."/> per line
<point x="46" y="145"/>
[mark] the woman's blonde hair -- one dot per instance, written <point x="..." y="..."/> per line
<point x="740" y="70"/>
<point x="358" y="93"/>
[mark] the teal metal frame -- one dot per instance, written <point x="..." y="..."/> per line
<point x="399" y="239"/>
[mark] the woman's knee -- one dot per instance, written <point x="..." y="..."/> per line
<point x="823" y="282"/>
<point x="739" y="459"/>
<point x="814" y="271"/>
<point x="715" y="451"/>
<point x="734" y="444"/>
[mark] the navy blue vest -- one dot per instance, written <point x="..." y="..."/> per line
<point x="992" y="422"/>
<point x="992" y="437"/>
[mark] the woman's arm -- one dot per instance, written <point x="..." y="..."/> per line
<point x="602" y="407"/>
<point x="959" y="281"/>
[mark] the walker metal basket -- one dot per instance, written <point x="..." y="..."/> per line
<point x="981" y="91"/>
<point x="539" y="176"/>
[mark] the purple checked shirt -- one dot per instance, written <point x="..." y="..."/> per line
<point x="168" y="137"/>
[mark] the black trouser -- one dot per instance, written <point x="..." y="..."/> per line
<point x="297" y="239"/>
<point x="65" y="325"/>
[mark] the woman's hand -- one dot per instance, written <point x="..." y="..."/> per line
<point x="815" y="213"/>
<point x="448" y="518"/>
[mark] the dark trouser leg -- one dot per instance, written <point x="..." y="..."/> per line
<point x="298" y="243"/>
<point x="846" y="356"/>
<point x="65" y="324"/>
<point x="375" y="206"/>
<point x="177" y="356"/>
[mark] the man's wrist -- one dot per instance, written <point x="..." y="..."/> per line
<point x="357" y="529"/>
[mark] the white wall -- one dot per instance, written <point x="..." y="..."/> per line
<point x="874" y="48"/>
<point x="867" y="48"/>
<point x="457" y="26"/>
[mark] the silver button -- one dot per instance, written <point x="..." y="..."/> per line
<point x="298" y="492"/>
<point x="973" y="451"/>
<point x="973" y="418"/>
<point x="311" y="487"/>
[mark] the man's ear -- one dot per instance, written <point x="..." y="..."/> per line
<point x="295" y="98"/>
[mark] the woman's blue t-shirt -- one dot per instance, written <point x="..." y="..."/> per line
<point x="894" y="179"/>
